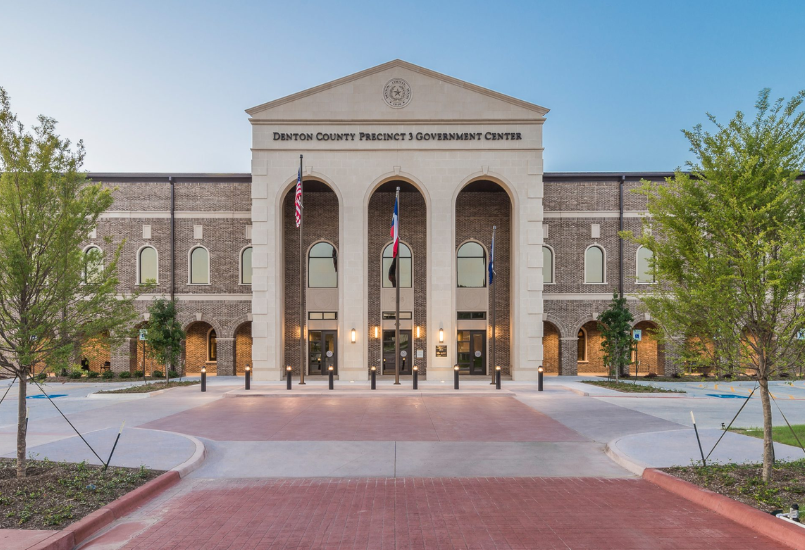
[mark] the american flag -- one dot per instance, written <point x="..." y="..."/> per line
<point x="298" y="200"/>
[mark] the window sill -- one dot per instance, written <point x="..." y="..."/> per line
<point x="244" y="284"/>
<point x="604" y="283"/>
<point x="199" y="284"/>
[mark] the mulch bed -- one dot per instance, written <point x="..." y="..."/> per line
<point x="628" y="387"/>
<point x="154" y="386"/>
<point x="55" y="494"/>
<point x="744" y="483"/>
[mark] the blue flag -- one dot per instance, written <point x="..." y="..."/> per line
<point x="492" y="259"/>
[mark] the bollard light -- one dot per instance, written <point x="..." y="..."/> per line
<point x="793" y="513"/>
<point x="455" y="377"/>
<point x="288" y="376"/>
<point x="248" y="377"/>
<point x="374" y="378"/>
<point x="416" y="377"/>
<point x="330" y="369"/>
<point x="540" y="370"/>
<point x="203" y="378"/>
<point x="497" y="378"/>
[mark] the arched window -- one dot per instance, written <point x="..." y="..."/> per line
<point x="246" y="266"/>
<point x="404" y="258"/>
<point x="199" y="266"/>
<point x="212" y="346"/>
<point x="471" y="265"/>
<point x="594" y="265"/>
<point x="582" y="346"/>
<point x="547" y="264"/>
<point x="93" y="265"/>
<point x="149" y="265"/>
<point x="645" y="269"/>
<point x="322" y="267"/>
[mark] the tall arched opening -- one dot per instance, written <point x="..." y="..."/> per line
<point x="412" y="257"/>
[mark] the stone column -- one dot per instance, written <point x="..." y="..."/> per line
<point x="568" y="356"/>
<point x="121" y="356"/>
<point x="225" y="356"/>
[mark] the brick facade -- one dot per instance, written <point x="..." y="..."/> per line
<point x="221" y="206"/>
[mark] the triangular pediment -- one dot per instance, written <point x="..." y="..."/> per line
<point x="365" y="96"/>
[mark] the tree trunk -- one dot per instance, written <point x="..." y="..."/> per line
<point x="22" y="426"/>
<point x="768" y="443"/>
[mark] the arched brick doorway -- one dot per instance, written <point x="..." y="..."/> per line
<point x="242" y="348"/>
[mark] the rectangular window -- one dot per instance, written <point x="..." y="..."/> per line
<point x="471" y="315"/>
<point x="322" y="315"/>
<point x="389" y="315"/>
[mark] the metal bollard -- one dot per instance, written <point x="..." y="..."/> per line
<point x="203" y="378"/>
<point x="539" y="378"/>
<point x="330" y="368"/>
<point x="497" y="378"/>
<point x="455" y="377"/>
<point x="374" y="378"/>
<point x="288" y="376"/>
<point x="416" y="377"/>
<point x="248" y="377"/>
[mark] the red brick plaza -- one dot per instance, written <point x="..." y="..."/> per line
<point x="571" y="512"/>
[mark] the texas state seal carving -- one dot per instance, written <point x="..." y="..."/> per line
<point x="397" y="93"/>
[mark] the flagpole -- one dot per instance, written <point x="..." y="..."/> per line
<point x="397" y="299"/>
<point x="301" y="283"/>
<point x="494" y="306"/>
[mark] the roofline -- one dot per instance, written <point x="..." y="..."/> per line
<point x="123" y="177"/>
<point x="542" y="111"/>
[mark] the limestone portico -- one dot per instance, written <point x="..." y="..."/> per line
<point x="436" y="136"/>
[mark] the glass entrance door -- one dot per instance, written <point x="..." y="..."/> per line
<point x="471" y="349"/>
<point x="406" y="362"/>
<point x="320" y="342"/>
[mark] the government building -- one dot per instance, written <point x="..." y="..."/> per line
<point x="465" y="159"/>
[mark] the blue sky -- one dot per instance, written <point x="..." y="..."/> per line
<point x="161" y="86"/>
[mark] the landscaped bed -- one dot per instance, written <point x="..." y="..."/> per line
<point x="628" y="387"/>
<point x="744" y="483"/>
<point x="155" y="386"/>
<point x="56" y="494"/>
<point x="780" y="434"/>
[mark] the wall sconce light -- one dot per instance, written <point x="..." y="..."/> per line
<point x="353" y="336"/>
<point x="417" y="332"/>
<point x="441" y="335"/>
<point x="376" y="331"/>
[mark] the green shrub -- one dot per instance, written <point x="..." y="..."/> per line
<point x="93" y="374"/>
<point x="41" y="376"/>
<point x="138" y="374"/>
<point x="173" y="374"/>
<point x="157" y="374"/>
<point x="125" y="374"/>
<point x="75" y="375"/>
<point x="108" y="374"/>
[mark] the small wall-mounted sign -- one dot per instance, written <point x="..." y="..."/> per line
<point x="441" y="351"/>
<point x="403" y="353"/>
<point x="420" y="353"/>
<point x="329" y="353"/>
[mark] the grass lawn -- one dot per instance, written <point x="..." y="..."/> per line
<point x="628" y="387"/>
<point x="744" y="483"/>
<point x="55" y="494"/>
<point x="780" y="434"/>
<point x="155" y="386"/>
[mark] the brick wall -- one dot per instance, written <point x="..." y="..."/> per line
<point x="243" y="347"/>
<point x="550" y="348"/>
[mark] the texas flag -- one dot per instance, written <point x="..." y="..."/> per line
<point x="395" y="236"/>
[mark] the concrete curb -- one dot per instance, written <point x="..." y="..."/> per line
<point x="194" y="462"/>
<point x="89" y="525"/>
<point x="634" y="466"/>
<point x="767" y="525"/>
<point x="577" y="391"/>
<point x="97" y="395"/>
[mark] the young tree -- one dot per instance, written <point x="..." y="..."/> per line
<point x="615" y="325"/>
<point x="729" y="245"/>
<point x="165" y="333"/>
<point x="53" y="296"/>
